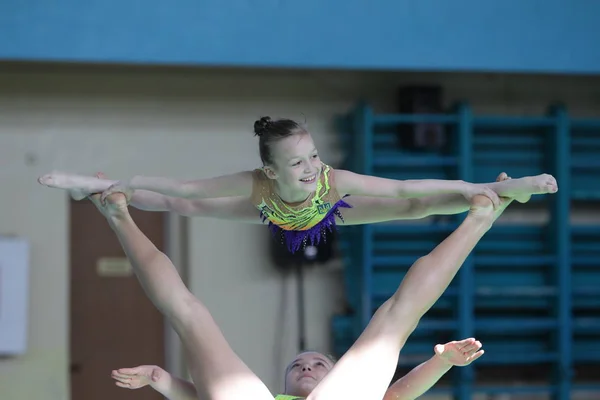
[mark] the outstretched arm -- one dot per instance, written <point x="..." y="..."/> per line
<point x="363" y="185"/>
<point x="160" y="380"/>
<point x="424" y="376"/>
<point x="349" y="182"/>
<point x="238" y="184"/>
<point x="80" y="186"/>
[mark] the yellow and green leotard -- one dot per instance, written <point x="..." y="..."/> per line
<point x="304" y="223"/>
<point x="286" y="397"/>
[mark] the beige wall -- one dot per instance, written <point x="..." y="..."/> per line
<point x="186" y="123"/>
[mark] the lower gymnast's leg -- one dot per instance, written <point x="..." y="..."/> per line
<point x="373" y="358"/>
<point x="217" y="372"/>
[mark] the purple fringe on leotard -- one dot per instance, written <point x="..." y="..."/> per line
<point x="296" y="240"/>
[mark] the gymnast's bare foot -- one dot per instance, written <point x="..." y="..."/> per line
<point x="505" y="201"/>
<point x="79" y="186"/>
<point x="521" y="189"/>
<point x="504" y="177"/>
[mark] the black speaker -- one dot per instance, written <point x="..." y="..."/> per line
<point x="421" y="100"/>
<point x="310" y="254"/>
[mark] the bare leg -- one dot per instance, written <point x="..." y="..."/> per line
<point x="217" y="372"/>
<point x="366" y="370"/>
<point x="371" y="210"/>
<point x="235" y="208"/>
<point x="227" y="208"/>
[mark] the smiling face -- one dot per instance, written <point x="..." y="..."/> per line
<point x="296" y="164"/>
<point x="305" y="372"/>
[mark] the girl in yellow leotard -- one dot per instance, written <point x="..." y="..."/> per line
<point x="297" y="194"/>
<point x="302" y="223"/>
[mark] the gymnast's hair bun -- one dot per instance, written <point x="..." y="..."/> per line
<point x="261" y="126"/>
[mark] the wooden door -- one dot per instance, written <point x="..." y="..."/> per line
<point x="113" y="324"/>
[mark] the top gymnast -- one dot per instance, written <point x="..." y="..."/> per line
<point x="297" y="193"/>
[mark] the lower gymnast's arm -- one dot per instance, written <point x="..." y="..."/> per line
<point x="419" y="380"/>
<point x="174" y="388"/>
<point x="424" y="376"/>
<point x="158" y="379"/>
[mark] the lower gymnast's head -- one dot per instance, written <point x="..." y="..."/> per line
<point x="306" y="371"/>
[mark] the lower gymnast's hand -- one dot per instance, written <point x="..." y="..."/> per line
<point x="470" y="190"/>
<point x="140" y="376"/>
<point x="115" y="205"/>
<point x="459" y="353"/>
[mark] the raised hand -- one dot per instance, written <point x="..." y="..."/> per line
<point x="119" y="187"/>
<point x="459" y="353"/>
<point x="138" y="377"/>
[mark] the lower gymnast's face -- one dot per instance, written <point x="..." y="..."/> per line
<point x="305" y="373"/>
<point x="297" y="162"/>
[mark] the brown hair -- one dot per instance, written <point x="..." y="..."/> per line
<point x="270" y="131"/>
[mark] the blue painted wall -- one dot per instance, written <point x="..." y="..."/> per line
<point x="465" y="35"/>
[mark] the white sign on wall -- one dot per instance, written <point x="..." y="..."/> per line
<point x="14" y="295"/>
